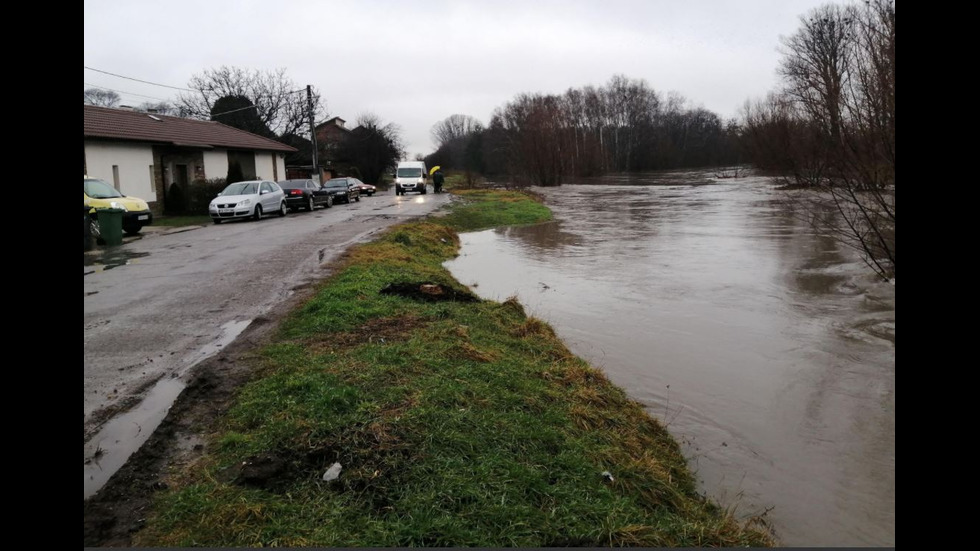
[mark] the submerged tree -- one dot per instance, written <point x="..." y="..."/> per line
<point x="832" y="126"/>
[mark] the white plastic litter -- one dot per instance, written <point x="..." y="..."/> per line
<point x="332" y="473"/>
<point x="608" y="476"/>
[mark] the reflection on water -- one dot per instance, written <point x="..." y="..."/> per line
<point x="768" y="349"/>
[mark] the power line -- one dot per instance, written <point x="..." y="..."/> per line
<point x="138" y="80"/>
<point x="122" y="92"/>
<point x="233" y="111"/>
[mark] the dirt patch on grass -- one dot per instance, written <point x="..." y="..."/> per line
<point x="429" y="292"/>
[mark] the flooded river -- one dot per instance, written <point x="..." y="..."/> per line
<point x="767" y="349"/>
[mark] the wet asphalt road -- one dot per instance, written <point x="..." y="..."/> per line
<point x="158" y="305"/>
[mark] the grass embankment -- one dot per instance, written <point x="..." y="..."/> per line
<point x="457" y="423"/>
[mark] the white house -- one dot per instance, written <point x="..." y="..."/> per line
<point x="143" y="154"/>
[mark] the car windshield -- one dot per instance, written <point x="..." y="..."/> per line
<point x="409" y="172"/>
<point x="335" y="183"/>
<point x="99" y="189"/>
<point x="242" y="188"/>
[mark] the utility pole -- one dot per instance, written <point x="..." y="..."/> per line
<point x="309" y="107"/>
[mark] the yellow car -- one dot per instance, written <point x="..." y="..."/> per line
<point x="100" y="195"/>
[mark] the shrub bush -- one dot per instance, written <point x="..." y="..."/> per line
<point x="193" y="199"/>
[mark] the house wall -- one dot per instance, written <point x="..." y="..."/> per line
<point x="216" y="163"/>
<point x="264" y="165"/>
<point x="280" y="166"/>
<point x="134" y="162"/>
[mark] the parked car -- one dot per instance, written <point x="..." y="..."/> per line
<point x="100" y="195"/>
<point x="304" y="194"/>
<point x="248" y="199"/>
<point x="366" y="189"/>
<point x="342" y="190"/>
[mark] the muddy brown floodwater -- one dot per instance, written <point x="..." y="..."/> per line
<point x="766" y="348"/>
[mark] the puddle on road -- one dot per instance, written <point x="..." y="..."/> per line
<point x="119" y="438"/>
<point x="112" y="259"/>
<point x="109" y="450"/>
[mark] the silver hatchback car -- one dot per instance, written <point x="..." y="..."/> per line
<point x="248" y="199"/>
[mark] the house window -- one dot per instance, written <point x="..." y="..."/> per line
<point x="115" y="177"/>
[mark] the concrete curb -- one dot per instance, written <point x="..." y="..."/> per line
<point x="180" y="229"/>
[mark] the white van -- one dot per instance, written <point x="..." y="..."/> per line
<point x="410" y="176"/>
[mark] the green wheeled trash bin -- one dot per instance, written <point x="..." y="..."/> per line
<point x="110" y="226"/>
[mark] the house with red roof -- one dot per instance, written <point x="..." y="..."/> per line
<point x="143" y="154"/>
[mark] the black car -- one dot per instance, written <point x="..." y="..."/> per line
<point x="305" y="194"/>
<point x="342" y="190"/>
<point x="366" y="189"/>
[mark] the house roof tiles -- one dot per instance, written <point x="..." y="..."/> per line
<point x="122" y="124"/>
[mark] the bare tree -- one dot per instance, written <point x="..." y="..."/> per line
<point x="280" y="104"/>
<point x="373" y="147"/>
<point x="815" y="65"/>
<point x="832" y="129"/>
<point x="621" y="126"/>
<point x="452" y="128"/>
<point x="100" y="97"/>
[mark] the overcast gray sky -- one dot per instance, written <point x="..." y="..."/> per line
<point x="416" y="62"/>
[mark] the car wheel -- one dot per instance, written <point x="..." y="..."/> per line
<point x="257" y="215"/>
<point x="357" y="198"/>
<point x="329" y="202"/>
<point x="423" y="191"/>
<point x="216" y="221"/>
<point x="309" y="204"/>
<point x="132" y="230"/>
<point x="282" y="209"/>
